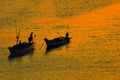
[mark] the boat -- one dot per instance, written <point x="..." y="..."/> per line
<point x="56" y="42"/>
<point x="22" y="48"/>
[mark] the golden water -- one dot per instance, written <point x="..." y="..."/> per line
<point x="94" y="50"/>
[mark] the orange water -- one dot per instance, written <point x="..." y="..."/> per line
<point x="93" y="53"/>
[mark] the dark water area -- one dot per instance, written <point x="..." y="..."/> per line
<point x="92" y="54"/>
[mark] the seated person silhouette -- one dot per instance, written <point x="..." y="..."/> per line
<point x="66" y="35"/>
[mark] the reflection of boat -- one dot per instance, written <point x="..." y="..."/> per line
<point x="21" y="49"/>
<point x="56" y="42"/>
<point x="50" y="49"/>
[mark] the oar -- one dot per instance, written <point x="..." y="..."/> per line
<point x="42" y="45"/>
<point x="34" y="38"/>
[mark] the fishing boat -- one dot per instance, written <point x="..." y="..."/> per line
<point x="59" y="41"/>
<point x="22" y="48"/>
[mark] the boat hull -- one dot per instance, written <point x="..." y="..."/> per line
<point x="57" y="43"/>
<point x="17" y="51"/>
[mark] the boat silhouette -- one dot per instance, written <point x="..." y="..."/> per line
<point x="57" y="42"/>
<point x="22" y="48"/>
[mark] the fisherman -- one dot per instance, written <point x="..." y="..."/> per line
<point x="30" y="39"/>
<point x="67" y="34"/>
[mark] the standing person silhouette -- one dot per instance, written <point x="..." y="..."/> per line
<point x="30" y="39"/>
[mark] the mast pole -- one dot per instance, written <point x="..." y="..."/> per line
<point x="18" y="36"/>
<point x="67" y="28"/>
<point x="16" y="33"/>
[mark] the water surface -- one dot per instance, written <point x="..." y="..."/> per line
<point x="93" y="53"/>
